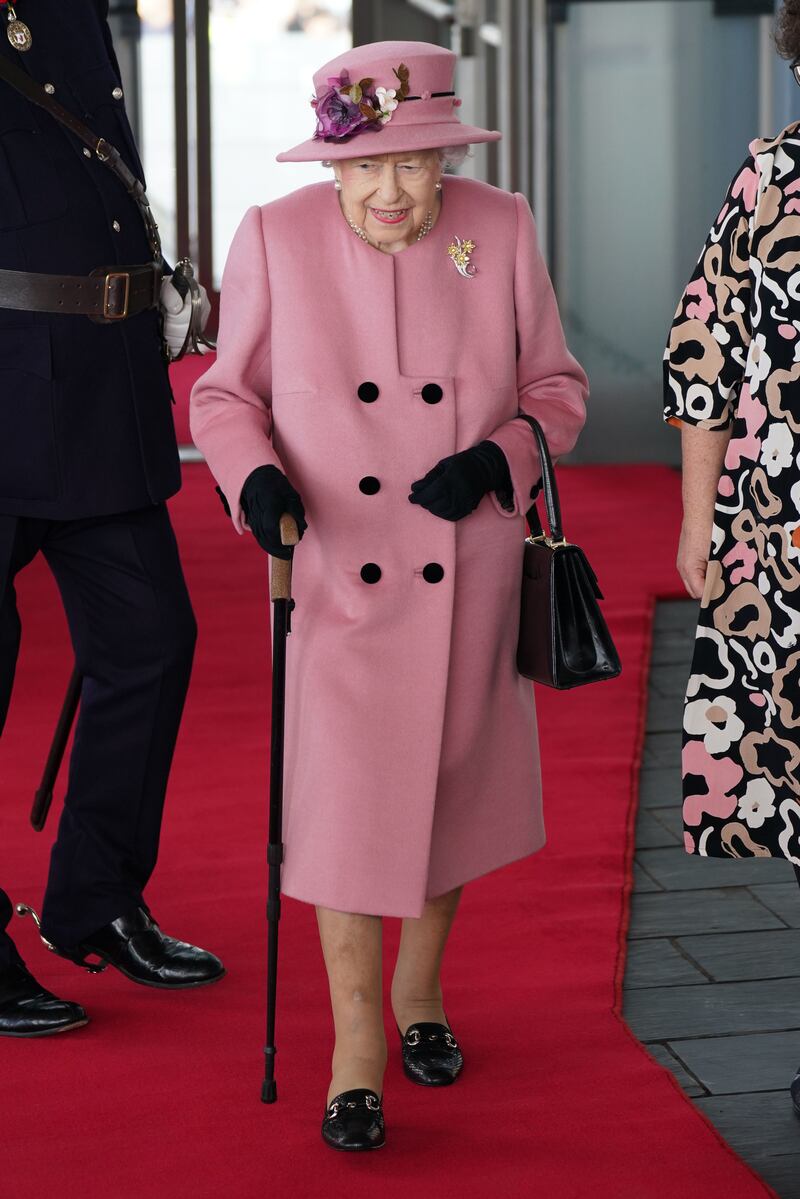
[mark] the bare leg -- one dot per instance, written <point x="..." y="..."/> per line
<point x="352" y="946"/>
<point x="416" y="985"/>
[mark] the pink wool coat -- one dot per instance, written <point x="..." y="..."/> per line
<point x="411" y="754"/>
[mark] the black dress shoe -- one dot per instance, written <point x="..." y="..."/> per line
<point x="136" y="946"/>
<point x="354" y="1121"/>
<point x="431" y="1055"/>
<point x="794" y="1091"/>
<point x="27" y="1010"/>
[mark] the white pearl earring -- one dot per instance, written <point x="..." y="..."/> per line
<point x="438" y="186"/>
<point x="337" y="185"/>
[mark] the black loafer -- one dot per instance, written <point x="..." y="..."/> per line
<point x="354" y="1121"/>
<point x="794" y="1091"/>
<point x="136" y="946"/>
<point x="28" y="1010"/>
<point x="431" y="1055"/>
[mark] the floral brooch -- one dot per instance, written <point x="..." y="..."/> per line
<point x="460" y="251"/>
<point x="348" y="108"/>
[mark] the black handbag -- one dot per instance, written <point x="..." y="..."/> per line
<point x="563" y="639"/>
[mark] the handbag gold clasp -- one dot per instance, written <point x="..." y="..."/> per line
<point x="545" y="539"/>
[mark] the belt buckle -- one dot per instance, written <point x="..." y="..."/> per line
<point x="110" y="279"/>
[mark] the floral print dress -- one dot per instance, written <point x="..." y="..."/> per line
<point x="734" y="356"/>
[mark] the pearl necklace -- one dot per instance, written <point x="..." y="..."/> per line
<point x="424" y="229"/>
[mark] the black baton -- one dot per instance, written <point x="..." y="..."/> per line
<point x="44" y="796"/>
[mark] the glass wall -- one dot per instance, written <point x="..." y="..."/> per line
<point x="655" y="103"/>
<point x="157" y="100"/>
<point x="263" y="55"/>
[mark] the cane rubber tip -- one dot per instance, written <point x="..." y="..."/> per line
<point x="269" y="1091"/>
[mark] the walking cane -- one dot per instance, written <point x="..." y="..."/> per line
<point x="281" y="596"/>
<point x="44" y="796"/>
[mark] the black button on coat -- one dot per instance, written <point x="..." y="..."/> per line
<point x="86" y="423"/>
<point x="368" y="392"/>
<point x="371" y="572"/>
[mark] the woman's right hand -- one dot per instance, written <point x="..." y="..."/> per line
<point x="266" y="495"/>
<point x="693" y="550"/>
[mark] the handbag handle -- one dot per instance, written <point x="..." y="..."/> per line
<point x="552" y="505"/>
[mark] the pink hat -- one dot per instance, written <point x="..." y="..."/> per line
<point x="383" y="98"/>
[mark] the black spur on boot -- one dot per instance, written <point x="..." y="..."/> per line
<point x="354" y="1121"/>
<point x="136" y="946"/>
<point x="431" y="1054"/>
<point x="794" y="1091"/>
<point x="28" y="1010"/>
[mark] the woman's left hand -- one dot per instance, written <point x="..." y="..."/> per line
<point x="457" y="484"/>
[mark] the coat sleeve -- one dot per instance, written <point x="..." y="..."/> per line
<point x="230" y="411"/>
<point x="706" y="355"/>
<point x="551" y="385"/>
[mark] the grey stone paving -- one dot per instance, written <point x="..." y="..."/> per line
<point x="712" y="984"/>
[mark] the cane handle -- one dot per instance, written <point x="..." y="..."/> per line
<point x="281" y="576"/>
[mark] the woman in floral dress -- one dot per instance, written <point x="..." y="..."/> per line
<point x="732" y="385"/>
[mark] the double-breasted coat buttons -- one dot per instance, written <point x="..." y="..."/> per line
<point x="432" y="393"/>
<point x="368" y="392"/>
<point x="433" y="572"/>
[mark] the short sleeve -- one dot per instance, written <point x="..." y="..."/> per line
<point x="705" y="359"/>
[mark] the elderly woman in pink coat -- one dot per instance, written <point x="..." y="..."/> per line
<point x="379" y="336"/>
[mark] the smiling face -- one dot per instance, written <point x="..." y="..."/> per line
<point x="390" y="195"/>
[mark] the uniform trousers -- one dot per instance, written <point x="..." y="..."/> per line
<point x="133" y="633"/>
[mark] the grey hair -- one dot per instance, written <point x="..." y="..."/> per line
<point x="450" y="157"/>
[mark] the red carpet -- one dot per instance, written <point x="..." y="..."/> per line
<point x="159" y="1097"/>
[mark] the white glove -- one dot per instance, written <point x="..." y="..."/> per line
<point x="177" y="313"/>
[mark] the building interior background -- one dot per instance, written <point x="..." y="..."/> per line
<point x="622" y="120"/>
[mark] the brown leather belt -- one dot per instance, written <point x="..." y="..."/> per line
<point x="111" y="293"/>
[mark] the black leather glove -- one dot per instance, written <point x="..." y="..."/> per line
<point x="266" y="495"/>
<point x="457" y="484"/>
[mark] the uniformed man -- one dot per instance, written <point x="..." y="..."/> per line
<point x="87" y="460"/>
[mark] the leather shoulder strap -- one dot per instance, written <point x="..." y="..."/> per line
<point x="102" y="149"/>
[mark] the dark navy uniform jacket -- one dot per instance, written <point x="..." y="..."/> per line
<point x="86" y="423"/>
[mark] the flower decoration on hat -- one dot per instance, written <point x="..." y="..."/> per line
<point x="346" y="108"/>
